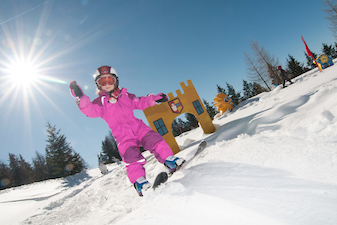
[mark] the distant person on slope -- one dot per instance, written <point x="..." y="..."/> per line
<point x="283" y="75"/>
<point x="101" y="163"/>
<point x="115" y="105"/>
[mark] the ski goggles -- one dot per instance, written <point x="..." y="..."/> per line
<point x="103" y="81"/>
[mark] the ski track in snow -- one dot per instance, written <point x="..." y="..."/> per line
<point x="273" y="160"/>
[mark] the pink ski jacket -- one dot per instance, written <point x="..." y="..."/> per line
<point x="119" y="113"/>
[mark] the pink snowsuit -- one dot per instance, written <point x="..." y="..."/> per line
<point x="128" y="131"/>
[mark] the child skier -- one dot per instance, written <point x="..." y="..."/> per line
<point x="115" y="105"/>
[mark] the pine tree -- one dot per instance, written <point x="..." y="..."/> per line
<point x="257" y="89"/>
<point x="26" y="169"/>
<point x="40" y="167"/>
<point x="220" y="89"/>
<point x="248" y="90"/>
<point x="211" y="110"/>
<point x="5" y="176"/>
<point x="15" y="170"/>
<point x="61" y="159"/>
<point x="110" y="149"/>
<point x="236" y="97"/>
<point x="310" y="62"/>
<point x="21" y="172"/>
<point x="294" y="67"/>
<point x="192" y="120"/>
<point x="181" y="125"/>
<point x="175" y="128"/>
<point x="329" y="50"/>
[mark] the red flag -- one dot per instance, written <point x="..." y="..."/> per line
<point x="310" y="54"/>
<point x="307" y="49"/>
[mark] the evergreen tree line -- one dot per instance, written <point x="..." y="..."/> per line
<point x="60" y="160"/>
<point x="262" y="71"/>
<point x="249" y="90"/>
<point x="180" y="126"/>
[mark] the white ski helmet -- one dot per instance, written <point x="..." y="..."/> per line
<point x="105" y="70"/>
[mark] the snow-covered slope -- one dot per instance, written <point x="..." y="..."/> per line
<point x="271" y="161"/>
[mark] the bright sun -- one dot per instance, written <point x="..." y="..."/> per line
<point x="23" y="73"/>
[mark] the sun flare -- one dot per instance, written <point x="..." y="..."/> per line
<point x="23" y="73"/>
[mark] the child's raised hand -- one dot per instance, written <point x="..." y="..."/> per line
<point x="75" y="90"/>
<point x="161" y="98"/>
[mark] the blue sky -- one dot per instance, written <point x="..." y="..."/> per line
<point x="153" y="45"/>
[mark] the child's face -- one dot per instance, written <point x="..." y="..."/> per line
<point x="107" y="87"/>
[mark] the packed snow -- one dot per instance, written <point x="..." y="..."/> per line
<point x="273" y="160"/>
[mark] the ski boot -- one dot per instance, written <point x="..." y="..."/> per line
<point x="174" y="163"/>
<point x="141" y="185"/>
